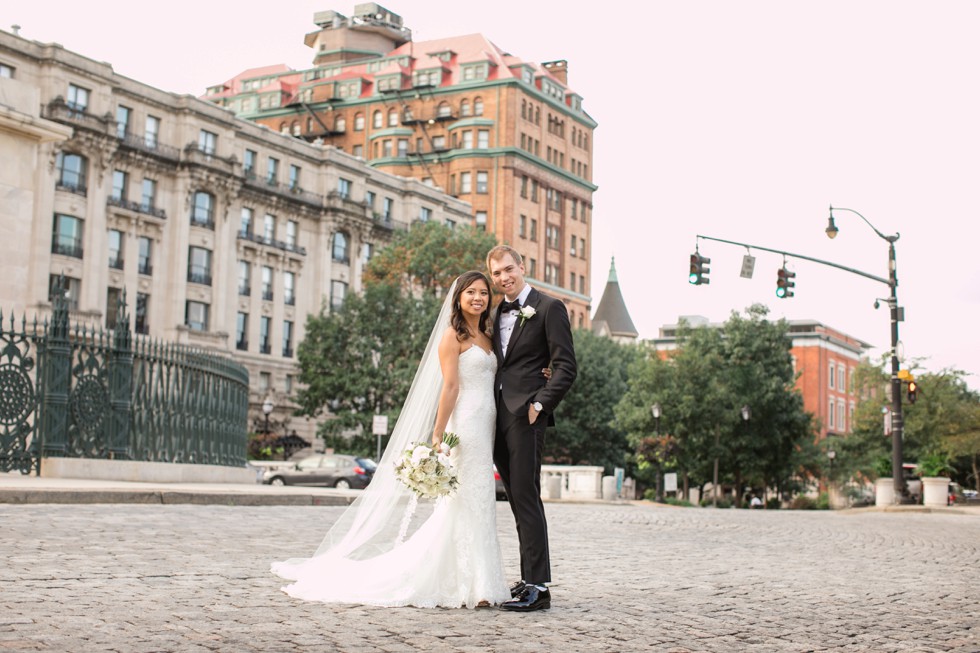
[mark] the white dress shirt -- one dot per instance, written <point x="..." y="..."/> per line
<point x="508" y="320"/>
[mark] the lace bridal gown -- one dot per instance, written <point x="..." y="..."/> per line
<point x="453" y="559"/>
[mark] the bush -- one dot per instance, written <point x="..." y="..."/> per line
<point x="674" y="501"/>
<point x="802" y="502"/>
<point x="823" y="501"/>
<point x="723" y="502"/>
<point x="773" y="503"/>
<point x="264" y="446"/>
<point x="650" y="495"/>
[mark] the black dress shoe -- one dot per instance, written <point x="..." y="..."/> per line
<point x="516" y="589"/>
<point x="530" y="598"/>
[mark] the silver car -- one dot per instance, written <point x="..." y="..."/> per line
<point x="328" y="470"/>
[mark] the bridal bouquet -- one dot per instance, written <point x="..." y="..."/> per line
<point x="427" y="471"/>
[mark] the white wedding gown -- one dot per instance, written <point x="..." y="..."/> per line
<point x="453" y="559"/>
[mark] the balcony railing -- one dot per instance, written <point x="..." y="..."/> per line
<point x="265" y="348"/>
<point x="67" y="248"/>
<point x="292" y="191"/>
<point x="241" y="345"/>
<point x="287" y="352"/>
<point x="77" y="188"/>
<point x="290" y="300"/>
<point x="146" y="209"/>
<point x="116" y="262"/>
<point x="245" y="291"/>
<point x="267" y="295"/>
<point x="145" y="268"/>
<point x="272" y="242"/>
<point x="152" y="145"/>
<point x="61" y="111"/>
<point x="203" y="278"/>
<point x="338" y="200"/>
<point x="194" y="154"/>
<point x="206" y="222"/>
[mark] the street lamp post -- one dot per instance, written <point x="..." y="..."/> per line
<point x="746" y="415"/>
<point x="267" y="407"/>
<point x="897" y="315"/>
<point x="655" y="411"/>
<point x="831" y="455"/>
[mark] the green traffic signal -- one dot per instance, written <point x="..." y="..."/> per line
<point x="699" y="273"/>
<point x="784" y="283"/>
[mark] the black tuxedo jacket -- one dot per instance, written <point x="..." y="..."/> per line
<point x="544" y="340"/>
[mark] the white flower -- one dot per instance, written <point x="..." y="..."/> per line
<point x="526" y="313"/>
<point x="419" y="453"/>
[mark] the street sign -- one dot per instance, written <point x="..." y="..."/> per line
<point x="379" y="425"/>
<point x="670" y="482"/>
<point x="748" y="266"/>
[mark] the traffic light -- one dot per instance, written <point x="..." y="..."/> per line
<point x="785" y="283"/>
<point x="913" y="388"/>
<point x="699" y="270"/>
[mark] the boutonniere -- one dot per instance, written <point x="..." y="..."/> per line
<point x="526" y="313"/>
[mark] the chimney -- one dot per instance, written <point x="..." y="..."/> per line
<point x="558" y="70"/>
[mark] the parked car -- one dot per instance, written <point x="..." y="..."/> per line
<point x="330" y="470"/>
<point x="501" y="493"/>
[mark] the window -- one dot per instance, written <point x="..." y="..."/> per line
<point x="465" y="182"/>
<point x="288" y="384"/>
<point x="248" y="167"/>
<point x="370" y="197"/>
<point x="581" y="248"/>
<point x="833" y="376"/>
<point x="339" y="125"/>
<point x="77" y="98"/>
<point x="145" y="265"/>
<point x="71" y="171"/>
<point x="573" y="249"/>
<point x="244" y="278"/>
<point x="344" y="187"/>
<point x="6" y="71"/>
<point x="377" y="120"/>
<point x="425" y="214"/>
<point x="388" y="209"/>
<point x="367" y="251"/>
<point x="830" y="414"/>
<point x="532" y="268"/>
<point x="534" y="190"/>
<point x="115" y="249"/>
<point x="524" y="187"/>
<point x="72" y="287"/>
<point x="294" y="177"/>
<point x="402" y="147"/>
<point x="393" y="117"/>
<point x="120" y="180"/>
<point x="358" y="122"/>
<point x="148" y="200"/>
<point x="341" y="251"/>
<point x="438" y="144"/>
<point x="272" y="171"/>
<point x="199" y="265"/>
<point x="152" y="133"/>
<point x="196" y="316"/>
<point x="553" y="236"/>
<point x="292" y="228"/>
<point x="571" y="280"/>
<point x="248" y="217"/>
<point x="265" y="328"/>
<point x="67" y="236"/>
<point x="265" y="381"/>
<point x="581" y="284"/>
<point x="289" y="288"/>
<point x="267" y="294"/>
<point x="123" y="115"/>
<point x="481" y="220"/>
<point x="552" y="274"/>
<point x="338" y="290"/>
<point x="141" y="322"/>
<point x="842" y="378"/>
<point x="482" y="182"/>
<point x="534" y="229"/>
<point x="523" y="226"/>
<point x="444" y="110"/>
<point x="269" y="227"/>
<point x="468" y="139"/>
<point x="386" y="147"/>
<point x="241" y="332"/>
<point x="203" y="212"/>
<point x="358" y="151"/>
<point x="478" y="107"/>
<point x="483" y="138"/>
<point x="287" y="339"/>
<point x="207" y="142"/>
<point x="841" y="422"/>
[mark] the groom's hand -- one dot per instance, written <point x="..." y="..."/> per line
<point x="532" y="415"/>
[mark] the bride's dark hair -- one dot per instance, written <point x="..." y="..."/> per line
<point x="456" y="319"/>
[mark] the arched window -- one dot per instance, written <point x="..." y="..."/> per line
<point x="478" y="107"/>
<point x="377" y="120"/>
<point x="358" y="122"/>
<point x="296" y="128"/>
<point x="523" y="108"/>
<point x="72" y="170"/>
<point x="392" y="117"/>
<point x="202" y="213"/>
<point x="444" y="110"/>
<point x="537" y="115"/>
<point x="341" y="247"/>
<point x="283" y="127"/>
<point x="340" y="124"/>
<point x="464" y="108"/>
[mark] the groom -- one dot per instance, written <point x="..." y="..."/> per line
<point x="531" y="332"/>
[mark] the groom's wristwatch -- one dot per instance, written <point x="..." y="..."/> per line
<point x="537" y="406"/>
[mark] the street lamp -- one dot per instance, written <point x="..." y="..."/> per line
<point x="655" y="411"/>
<point x="897" y="315"/>
<point x="267" y="407"/>
<point x="746" y="415"/>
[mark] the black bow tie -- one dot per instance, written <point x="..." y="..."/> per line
<point x="506" y="306"/>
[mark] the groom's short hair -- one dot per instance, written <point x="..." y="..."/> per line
<point x="499" y="251"/>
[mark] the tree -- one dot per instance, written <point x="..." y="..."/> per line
<point x="429" y="256"/>
<point x="585" y="432"/>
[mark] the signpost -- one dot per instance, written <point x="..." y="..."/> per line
<point x="379" y="426"/>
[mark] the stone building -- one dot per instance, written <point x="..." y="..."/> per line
<point x="222" y="233"/>
<point x="507" y="135"/>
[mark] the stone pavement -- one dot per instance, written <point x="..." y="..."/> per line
<point x="628" y="577"/>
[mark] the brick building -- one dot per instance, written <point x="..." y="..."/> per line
<point x="507" y="135"/>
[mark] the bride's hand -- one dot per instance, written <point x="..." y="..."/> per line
<point x="546" y="372"/>
<point x="436" y="440"/>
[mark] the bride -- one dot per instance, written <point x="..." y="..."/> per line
<point x="379" y="552"/>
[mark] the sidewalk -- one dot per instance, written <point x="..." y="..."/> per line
<point x="17" y="488"/>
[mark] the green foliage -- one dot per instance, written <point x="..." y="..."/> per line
<point x="773" y="503"/>
<point x="674" y="501"/>
<point x="429" y="256"/>
<point x="585" y="431"/>
<point x="803" y="502"/>
<point x="935" y="464"/>
<point x="264" y="446"/>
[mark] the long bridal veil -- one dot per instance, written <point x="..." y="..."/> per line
<point x="371" y="525"/>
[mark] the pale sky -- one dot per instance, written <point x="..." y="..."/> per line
<point x="738" y="120"/>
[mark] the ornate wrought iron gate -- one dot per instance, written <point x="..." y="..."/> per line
<point x="90" y="393"/>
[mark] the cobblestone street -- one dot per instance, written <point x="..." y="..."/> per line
<point x="628" y="577"/>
